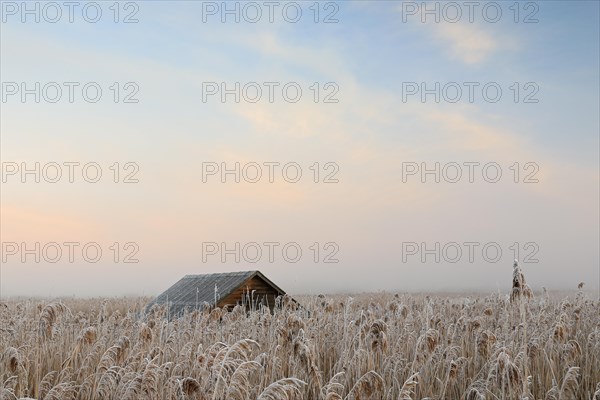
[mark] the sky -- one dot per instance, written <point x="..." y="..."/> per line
<point x="395" y="146"/>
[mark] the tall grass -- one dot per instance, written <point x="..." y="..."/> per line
<point x="376" y="347"/>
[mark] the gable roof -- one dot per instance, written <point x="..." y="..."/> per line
<point x="195" y="291"/>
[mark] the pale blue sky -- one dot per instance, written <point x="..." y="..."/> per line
<point x="369" y="54"/>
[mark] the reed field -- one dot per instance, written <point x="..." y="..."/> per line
<point x="370" y="346"/>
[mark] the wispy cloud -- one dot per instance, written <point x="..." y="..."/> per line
<point x="467" y="43"/>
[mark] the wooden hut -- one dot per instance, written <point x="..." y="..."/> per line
<point x="224" y="290"/>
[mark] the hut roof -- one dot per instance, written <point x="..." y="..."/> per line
<point x="199" y="291"/>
